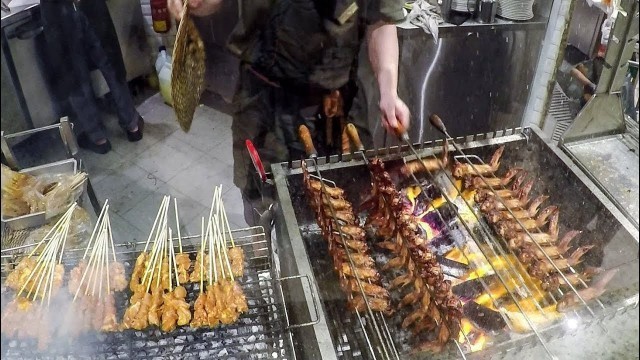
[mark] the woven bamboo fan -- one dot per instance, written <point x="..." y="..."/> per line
<point x="187" y="76"/>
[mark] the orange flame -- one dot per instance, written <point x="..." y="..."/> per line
<point x="476" y="338"/>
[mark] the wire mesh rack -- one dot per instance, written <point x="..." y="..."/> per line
<point x="263" y="332"/>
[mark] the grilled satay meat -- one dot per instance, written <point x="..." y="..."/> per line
<point x="541" y="268"/>
<point x="461" y="170"/>
<point x="199" y="312"/>
<point x="155" y="307"/>
<point x="212" y="306"/>
<point x="183" y="264"/>
<point x="109" y="322"/>
<point x="19" y="276"/>
<point x="195" y="275"/>
<point x="97" y="313"/>
<point x="571" y="299"/>
<point x="236" y="258"/>
<point x="138" y="270"/>
<point x="117" y="279"/>
<point x="75" y="276"/>
<point x="431" y="165"/>
<point x="169" y="313"/>
<point x="136" y="315"/>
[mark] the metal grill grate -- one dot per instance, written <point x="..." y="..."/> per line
<point x="260" y="333"/>
<point x="560" y="112"/>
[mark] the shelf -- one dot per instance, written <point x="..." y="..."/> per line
<point x="474" y="26"/>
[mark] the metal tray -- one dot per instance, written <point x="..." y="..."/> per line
<point x="68" y="166"/>
<point x="583" y="207"/>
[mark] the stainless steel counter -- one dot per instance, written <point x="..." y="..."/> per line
<point x="612" y="163"/>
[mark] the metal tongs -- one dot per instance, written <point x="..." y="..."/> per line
<point x="5" y="7"/>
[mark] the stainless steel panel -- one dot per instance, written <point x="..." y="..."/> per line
<point x="477" y="81"/>
<point x="612" y="163"/>
<point x="23" y="36"/>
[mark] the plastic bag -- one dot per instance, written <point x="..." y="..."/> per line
<point x="54" y="193"/>
<point x="14" y="185"/>
<point x="24" y="194"/>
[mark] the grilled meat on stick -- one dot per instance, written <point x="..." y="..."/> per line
<point x="347" y="248"/>
<point x="555" y="281"/>
<point x="504" y="227"/>
<point x="461" y="170"/>
<point x="483" y="184"/>
<point x="195" y="275"/>
<point x="422" y="268"/>
<point x="136" y="315"/>
<point x="183" y="263"/>
<point x="517" y="238"/>
<point x="236" y="258"/>
<point x="138" y="270"/>
<point x="117" y="279"/>
<point x="531" y="251"/>
<point x="109" y="322"/>
<point x="433" y="165"/>
<point x="175" y="310"/>
<point x="494" y="216"/>
<point x="571" y="300"/>
<point x="541" y="268"/>
<point x="484" y="194"/>
<point x="199" y="312"/>
<point x="155" y="307"/>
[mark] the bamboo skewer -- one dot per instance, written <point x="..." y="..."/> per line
<point x="93" y="232"/>
<point x="172" y="256"/>
<point x="50" y="250"/>
<point x="175" y="205"/>
<point x="155" y="222"/>
<point x="201" y="254"/>
<point x="169" y="261"/>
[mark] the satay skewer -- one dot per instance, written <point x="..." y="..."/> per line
<point x="44" y="259"/>
<point x="172" y="256"/>
<point x="155" y="222"/>
<point x="223" y="248"/>
<point x="49" y="249"/>
<point x="93" y="232"/>
<point x="201" y="255"/>
<point x="175" y="205"/>
<point x="91" y="261"/>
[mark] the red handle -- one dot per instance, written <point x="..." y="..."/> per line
<point x="255" y="158"/>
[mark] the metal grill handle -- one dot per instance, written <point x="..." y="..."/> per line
<point x="314" y="298"/>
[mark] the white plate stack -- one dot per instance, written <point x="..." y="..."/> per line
<point x="518" y="10"/>
<point x="465" y="6"/>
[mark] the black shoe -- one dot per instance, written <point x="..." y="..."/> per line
<point x="85" y="143"/>
<point x="134" y="136"/>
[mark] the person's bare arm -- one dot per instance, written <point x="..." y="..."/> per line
<point x="383" y="54"/>
<point x="196" y="7"/>
<point x="582" y="78"/>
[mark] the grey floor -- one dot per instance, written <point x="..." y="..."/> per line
<point x="167" y="161"/>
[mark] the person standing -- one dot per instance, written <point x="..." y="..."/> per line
<point x="72" y="46"/>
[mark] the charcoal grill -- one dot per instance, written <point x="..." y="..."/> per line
<point x="262" y="333"/>
<point x="362" y="336"/>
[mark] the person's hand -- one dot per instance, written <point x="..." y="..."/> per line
<point x="592" y="86"/>
<point x="196" y="7"/>
<point x="395" y="113"/>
